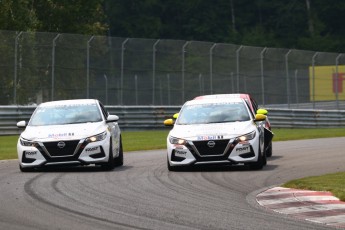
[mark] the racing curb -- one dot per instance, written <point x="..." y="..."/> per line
<point x="314" y="206"/>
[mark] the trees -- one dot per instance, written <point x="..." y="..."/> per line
<point x="309" y="24"/>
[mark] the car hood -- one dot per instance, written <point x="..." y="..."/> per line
<point x="212" y="131"/>
<point x="63" y="132"/>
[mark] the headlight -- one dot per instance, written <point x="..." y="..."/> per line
<point x="247" y="137"/>
<point x="98" y="137"/>
<point x="177" y="141"/>
<point x="25" y="142"/>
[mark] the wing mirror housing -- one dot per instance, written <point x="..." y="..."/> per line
<point x="262" y="111"/>
<point x="169" y="122"/>
<point x="112" y="118"/>
<point x="21" y="124"/>
<point x="260" y="117"/>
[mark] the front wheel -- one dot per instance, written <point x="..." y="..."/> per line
<point x="26" y="169"/>
<point x="110" y="165"/>
<point x="118" y="161"/>
<point x="269" y="150"/>
<point x="259" y="164"/>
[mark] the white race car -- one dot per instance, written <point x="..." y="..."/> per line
<point x="216" y="131"/>
<point x="70" y="132"/>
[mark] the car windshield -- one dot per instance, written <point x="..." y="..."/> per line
<point x="65" y="114"/>
<point x="213" y="113"/>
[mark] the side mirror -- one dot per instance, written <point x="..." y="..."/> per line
<point x="169" y="122"/>
<point x="260" y="117"/>
<point x="262" y="111"/>
<point x="21" y="124"/>
<point x="175" y="116"/>
<point x="112" y="118"/>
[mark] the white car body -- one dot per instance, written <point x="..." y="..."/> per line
<point x="216" y="142"/>
<point x="76" y="132"/>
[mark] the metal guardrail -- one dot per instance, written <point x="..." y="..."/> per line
<point x="152" y="117"/>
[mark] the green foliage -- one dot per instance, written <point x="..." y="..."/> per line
<point x="291" y="24"/>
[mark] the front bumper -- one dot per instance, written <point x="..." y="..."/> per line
<point x="74" y="152"/>
<point x="225" y="151"/>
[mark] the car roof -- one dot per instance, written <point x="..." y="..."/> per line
<point x="70" y="102"/>
<point x="213" y="100"/>
<point x="217" y="96"/>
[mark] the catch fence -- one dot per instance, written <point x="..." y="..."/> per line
<point x="36" y="67"/>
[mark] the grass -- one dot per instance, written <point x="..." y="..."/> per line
<point x="334" y="183"/>
<point x="156" y="139"/>
<point x="146" y="140"/>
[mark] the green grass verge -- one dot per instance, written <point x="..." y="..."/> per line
<point x="156" y="139"/>
<point x="334" y="183"/>
<point x="146" y="140"/>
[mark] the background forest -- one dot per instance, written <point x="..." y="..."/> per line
<point x="294" y="24"/>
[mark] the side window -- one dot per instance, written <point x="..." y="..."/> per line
<point x="104" y="111"/>
<point x="251" y="112"/>
<point x="255" y="105"/>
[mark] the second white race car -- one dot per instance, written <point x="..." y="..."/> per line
<point x="216" y="131"/>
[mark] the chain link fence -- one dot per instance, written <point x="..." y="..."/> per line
<point x="38" y="67"/>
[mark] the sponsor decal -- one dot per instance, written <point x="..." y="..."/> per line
<point x="91" y="149"/>
<point x="180" y="153"/>
<point x="60" y="135"/>
<point x="30" y="153"/>
<point x="205" y="138"/>
<point x="244" y="149"/>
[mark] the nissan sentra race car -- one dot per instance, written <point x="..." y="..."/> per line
<point x="216" y="131"/>
<point x="254" y="107"/>
<point x="70" y="132"/>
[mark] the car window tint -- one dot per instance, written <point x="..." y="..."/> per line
<point x="213" y="113"/>
<point x="65" y="114"/>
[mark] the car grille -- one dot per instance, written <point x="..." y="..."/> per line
<point x="205" y="150"/>
<point x="67" y="150"/>
<point x="202" y="152"/>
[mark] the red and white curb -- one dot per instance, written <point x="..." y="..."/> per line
<point x="319" y="207"/>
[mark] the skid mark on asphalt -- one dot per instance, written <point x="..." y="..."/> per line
<point x="318" y="207"/>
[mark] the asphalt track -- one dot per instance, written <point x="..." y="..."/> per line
<point x="144" y="195"/>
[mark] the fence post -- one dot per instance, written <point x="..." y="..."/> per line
<point x="168" y="83"/>
<point x="296" y="86"/>
<point x="337" y="80"/>
<point x="154" y="70"/>
<point x="53" y="65"/>
<point x="238" y="67"/>
<point x="183" y="68"/>
<point x="88" y="67"/>
<point x="106" y="89"/>
<point x="287" y="77"/>
<point x="262" y="76"/>
<point x="313" y="77"/>
<point x="15" y="67"/>
<point x="211" y="67"/>
<point x="122" y="65"/>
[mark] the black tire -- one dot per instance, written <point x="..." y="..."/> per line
<point x="118" y="161"/>
<point x="259" y="164"/>
<point x="26" y="169"/>
<point x="110" y="165"/>
<point x="269" y="150"/>
<point x="173" y="168"/>
<point x="170" y="168"/>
